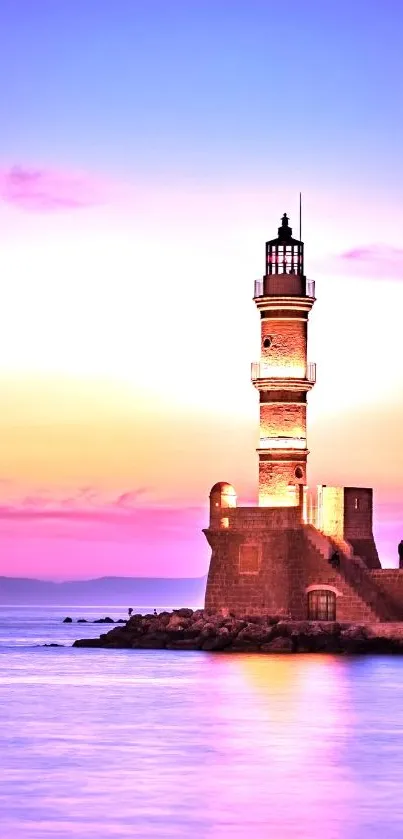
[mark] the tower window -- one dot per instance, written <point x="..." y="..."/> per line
<point x="356" y="503"/>
<point x="267" y="343"/>
<point x="298" y="473"/>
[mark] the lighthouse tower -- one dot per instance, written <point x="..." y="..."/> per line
<point x="274" y="559"/>
<point x="283" y="376"/>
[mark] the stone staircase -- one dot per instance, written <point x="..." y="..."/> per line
<point x="356" y="576"/>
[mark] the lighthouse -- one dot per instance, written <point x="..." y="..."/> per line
<point x="273" y="558"/>
<point x="283" y="375"/>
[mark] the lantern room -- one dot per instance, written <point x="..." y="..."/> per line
<point x="284" y="255"/>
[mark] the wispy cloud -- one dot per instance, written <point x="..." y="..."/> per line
<point x="375" y="261"/>
<point x="130" y="517"/>
<point x="48" y="191"/>
<point x="85" y="505"/>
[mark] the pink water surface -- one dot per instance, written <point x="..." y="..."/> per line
<point x="97" y="744"/>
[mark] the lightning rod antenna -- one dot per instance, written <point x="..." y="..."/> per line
<point x="300" y="218"/>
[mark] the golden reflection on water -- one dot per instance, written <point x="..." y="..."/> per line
<point x="291" y="715"/>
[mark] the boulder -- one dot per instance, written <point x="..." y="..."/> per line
<point x="183" y="644"/>
<point x="119" y="635"/>
<point x="82" y="620"/>
<point x="208" y="631"/>
<point x="244" y="647"/>
<point x="104" y="620"/>
<point x="89" y="642"/>
<point x="183" y="613"/>
<point x="278" y="645"/>
<point x="254" y="633"/>
<point x="175" y="622"/>
<point x="354" y="639"/>
<point x="219" y="641"/>
<point x="151" y="642"/>
<point x="68" y="620"/>
<point x="314" y="637"/>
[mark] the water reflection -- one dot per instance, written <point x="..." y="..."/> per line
<point x="98" y="744"/>
<point x="286" y="732"/>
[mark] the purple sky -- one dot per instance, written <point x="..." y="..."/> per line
<point x="148" y="151"/>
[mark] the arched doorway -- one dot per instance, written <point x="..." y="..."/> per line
<point x="321" y="605"/>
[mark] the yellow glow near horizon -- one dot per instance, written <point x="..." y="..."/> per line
<point x="114" y="369"/>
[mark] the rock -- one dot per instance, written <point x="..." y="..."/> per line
<point x="104" y="620"/>
<point x="283" y="628"/>
<point x="120" y="620"/>
<point x="244" y="647"/>
<point x="198" y="625"/>
<point x="354" y="639"/>
<point x="313" y="637"/>
<point x="255" y="633"/>
<point x="278" y="645"/>
<point x="89" y="642"/>
<point x="184" y="629"/>
<point x="218" y="642"/>
<point x="175" y="622"/>
<point x="118" y="636"/>
<point x="68" y="620"/>
<point x="183" y="644"/>
<point x="208" y="630"/>
<point x="53" y="645"/>
<point x="156" y="641"/>
<point x="82" y="620"/>
<point x="183" y="613"/>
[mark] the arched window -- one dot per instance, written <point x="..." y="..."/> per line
<point x="321" y="605"/>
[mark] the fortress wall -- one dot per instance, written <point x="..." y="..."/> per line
<point x="390" y="580"/>
<point x="266" y="518"/>
<point x="248" y="573"/>
<point x="267" y="571"/>
<point x="358" y="504"/>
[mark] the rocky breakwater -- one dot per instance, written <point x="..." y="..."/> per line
<point x="184" y="629"/>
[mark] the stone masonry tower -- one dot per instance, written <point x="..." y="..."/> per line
<point x="280" y="558"/>
<point x="283" y="375"/>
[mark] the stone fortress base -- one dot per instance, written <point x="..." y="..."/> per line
<point x="271" y="560"/>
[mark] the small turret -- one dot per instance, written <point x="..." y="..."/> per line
<point x="222" y="496"/>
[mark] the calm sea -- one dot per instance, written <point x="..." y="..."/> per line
<point x="97" y="744"/>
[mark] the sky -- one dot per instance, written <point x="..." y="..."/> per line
<point x="148" y="151"/>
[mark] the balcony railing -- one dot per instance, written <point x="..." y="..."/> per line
<point x="260" y="370"/>
<point x="282" y="443"/>
<point x="311" y="372"/>
<point x="259" y="287"/>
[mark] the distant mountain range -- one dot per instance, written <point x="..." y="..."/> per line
<point x="105" y="591"/>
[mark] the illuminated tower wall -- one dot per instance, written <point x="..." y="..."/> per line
<point x="283" y="375"/>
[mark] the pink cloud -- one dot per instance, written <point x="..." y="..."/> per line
<point x="104" y="538"/>
<point x="48" y="191"/>
<point x="86" y="505"/>
<point x="375" y="260"/>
